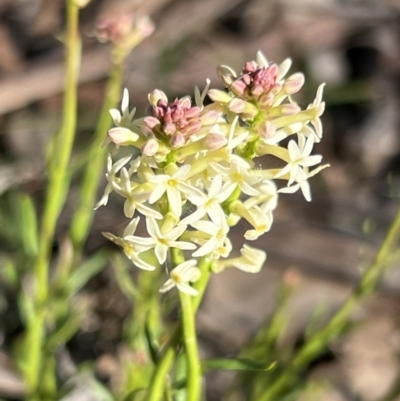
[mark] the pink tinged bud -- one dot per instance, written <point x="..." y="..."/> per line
<point x="239" y="87"/>
<point x="257" y="90"/>
<point x="224" y="70"/>
<point x="169" y="128"/>
<point x="250" y="66"/>
<point x="219" y="96"/>
<point x="266" y="99"/>
<point x="193" y="112"/>
<point x="290" y="109"/>
<point x="155" y="96"/>
<point x="237" y="106"/>
<point x="294" y="83"/>
<point x="145" y="27"/>
<point x="228" y="79"/>
<point x="150" y="147"/>
<point x="185" y="102"/>
<point x="177" y="141"/>
<point x="266" y="130"/>
<point x="247" y="79"/>
<point x="210" y="117"/>
<point x="121" y="136"/>
<point x="193" y="127"/>
<point x="151" y="122"/>
<point x="215" y="141"/>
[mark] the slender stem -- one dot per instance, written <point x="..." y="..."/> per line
<point x="191" y="347"/>
<point x="58" y="180"/>
<point x="318" y="342"/>
<point x="158" y="379"/>
<point x="55" y="197"/>
<point x="83" y="215"/>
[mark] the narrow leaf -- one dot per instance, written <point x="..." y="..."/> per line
<point x="237" y="364"/>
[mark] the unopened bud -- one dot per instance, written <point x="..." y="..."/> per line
<point x="150" y="147"/>
<point x="155" y="96"/>
<point x="219" y="96"/>
<point x="215" y="141"/>
<point x="294" y="83"/>
<point x="122" y="136"/>
<point x="177" y="141"/>
<point x="239" y="87"/>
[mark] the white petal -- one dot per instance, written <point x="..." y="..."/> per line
<point x="161" y="253"/>
<point x="141" y="263"/>
<point x="182" y="245"/>
<point x="169" y="284"/>
<point x="131" y="227"/>
<point x="187" y="289"/>
<point x="175" y="201"/>
<point x="152" y="228"/>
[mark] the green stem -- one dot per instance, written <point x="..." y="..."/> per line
<point x="319" y="341"/>
<point x="55" y="197"/>
<point x="191" y="347"/>
<point x="58" y="180"/>
<point x="159" y="376"/>
<point x="83" y="217"/>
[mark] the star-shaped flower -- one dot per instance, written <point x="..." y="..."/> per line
<point x="180" y="277"/>
<point x="131" y="249"/>
<point x="211" y="203"/>
<point x="162" y="242"/>
<point x="299" y="156"/>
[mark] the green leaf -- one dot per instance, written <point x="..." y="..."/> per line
<point x="237" y="364"/>
<point x="123" y="277"/>
<point x="152" y="343"/>
<point x="9" y="272"/>
<point x="86" y="271"/>
<point x="28" y="224"/>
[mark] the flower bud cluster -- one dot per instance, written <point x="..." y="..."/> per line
<point x="196" y="173"/>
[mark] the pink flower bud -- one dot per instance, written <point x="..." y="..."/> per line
<point x="211" y="114"/>
<point x="150" y="147"/>
<point x="266" y="130"/>
<point x="215" y="141"/>
<point x="227" y="79"/>
<point x="169" y="128"/>
<point x="177" y="141"/>
<point x="120" y="135"/>
<point x="192" y="127"/>
<point x="237" y="105"/>
<point x="219" y="96"/>
<point x="151" y="122"/>
<point x="294" y="83"/>
<point x="238" y="87"/>
<point x="155" y="96"/>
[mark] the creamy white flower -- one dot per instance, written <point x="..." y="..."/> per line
<point x="112" y="170"/>
<point x="181" y="276"/>
<point x="260" y="221"/>
<point x="299" y="156"/>
<point x="236" y="175"/>
<point x="173" y="185"/>
<point x="210" y="203"/>
<point x="131" y="249"/>
<point x="124" y="119"/>
<point x="217" y="238"/>
<point x="134" y="199"/>
<point x="162" y="242"/>
<point x="319" y="106"/>
<point x="303" y="185"/>
<point x="250" y="261"/>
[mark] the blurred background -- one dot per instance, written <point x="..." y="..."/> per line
<point x="318" y="249"/>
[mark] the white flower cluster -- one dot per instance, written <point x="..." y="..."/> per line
<point x="195" y="176"/>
